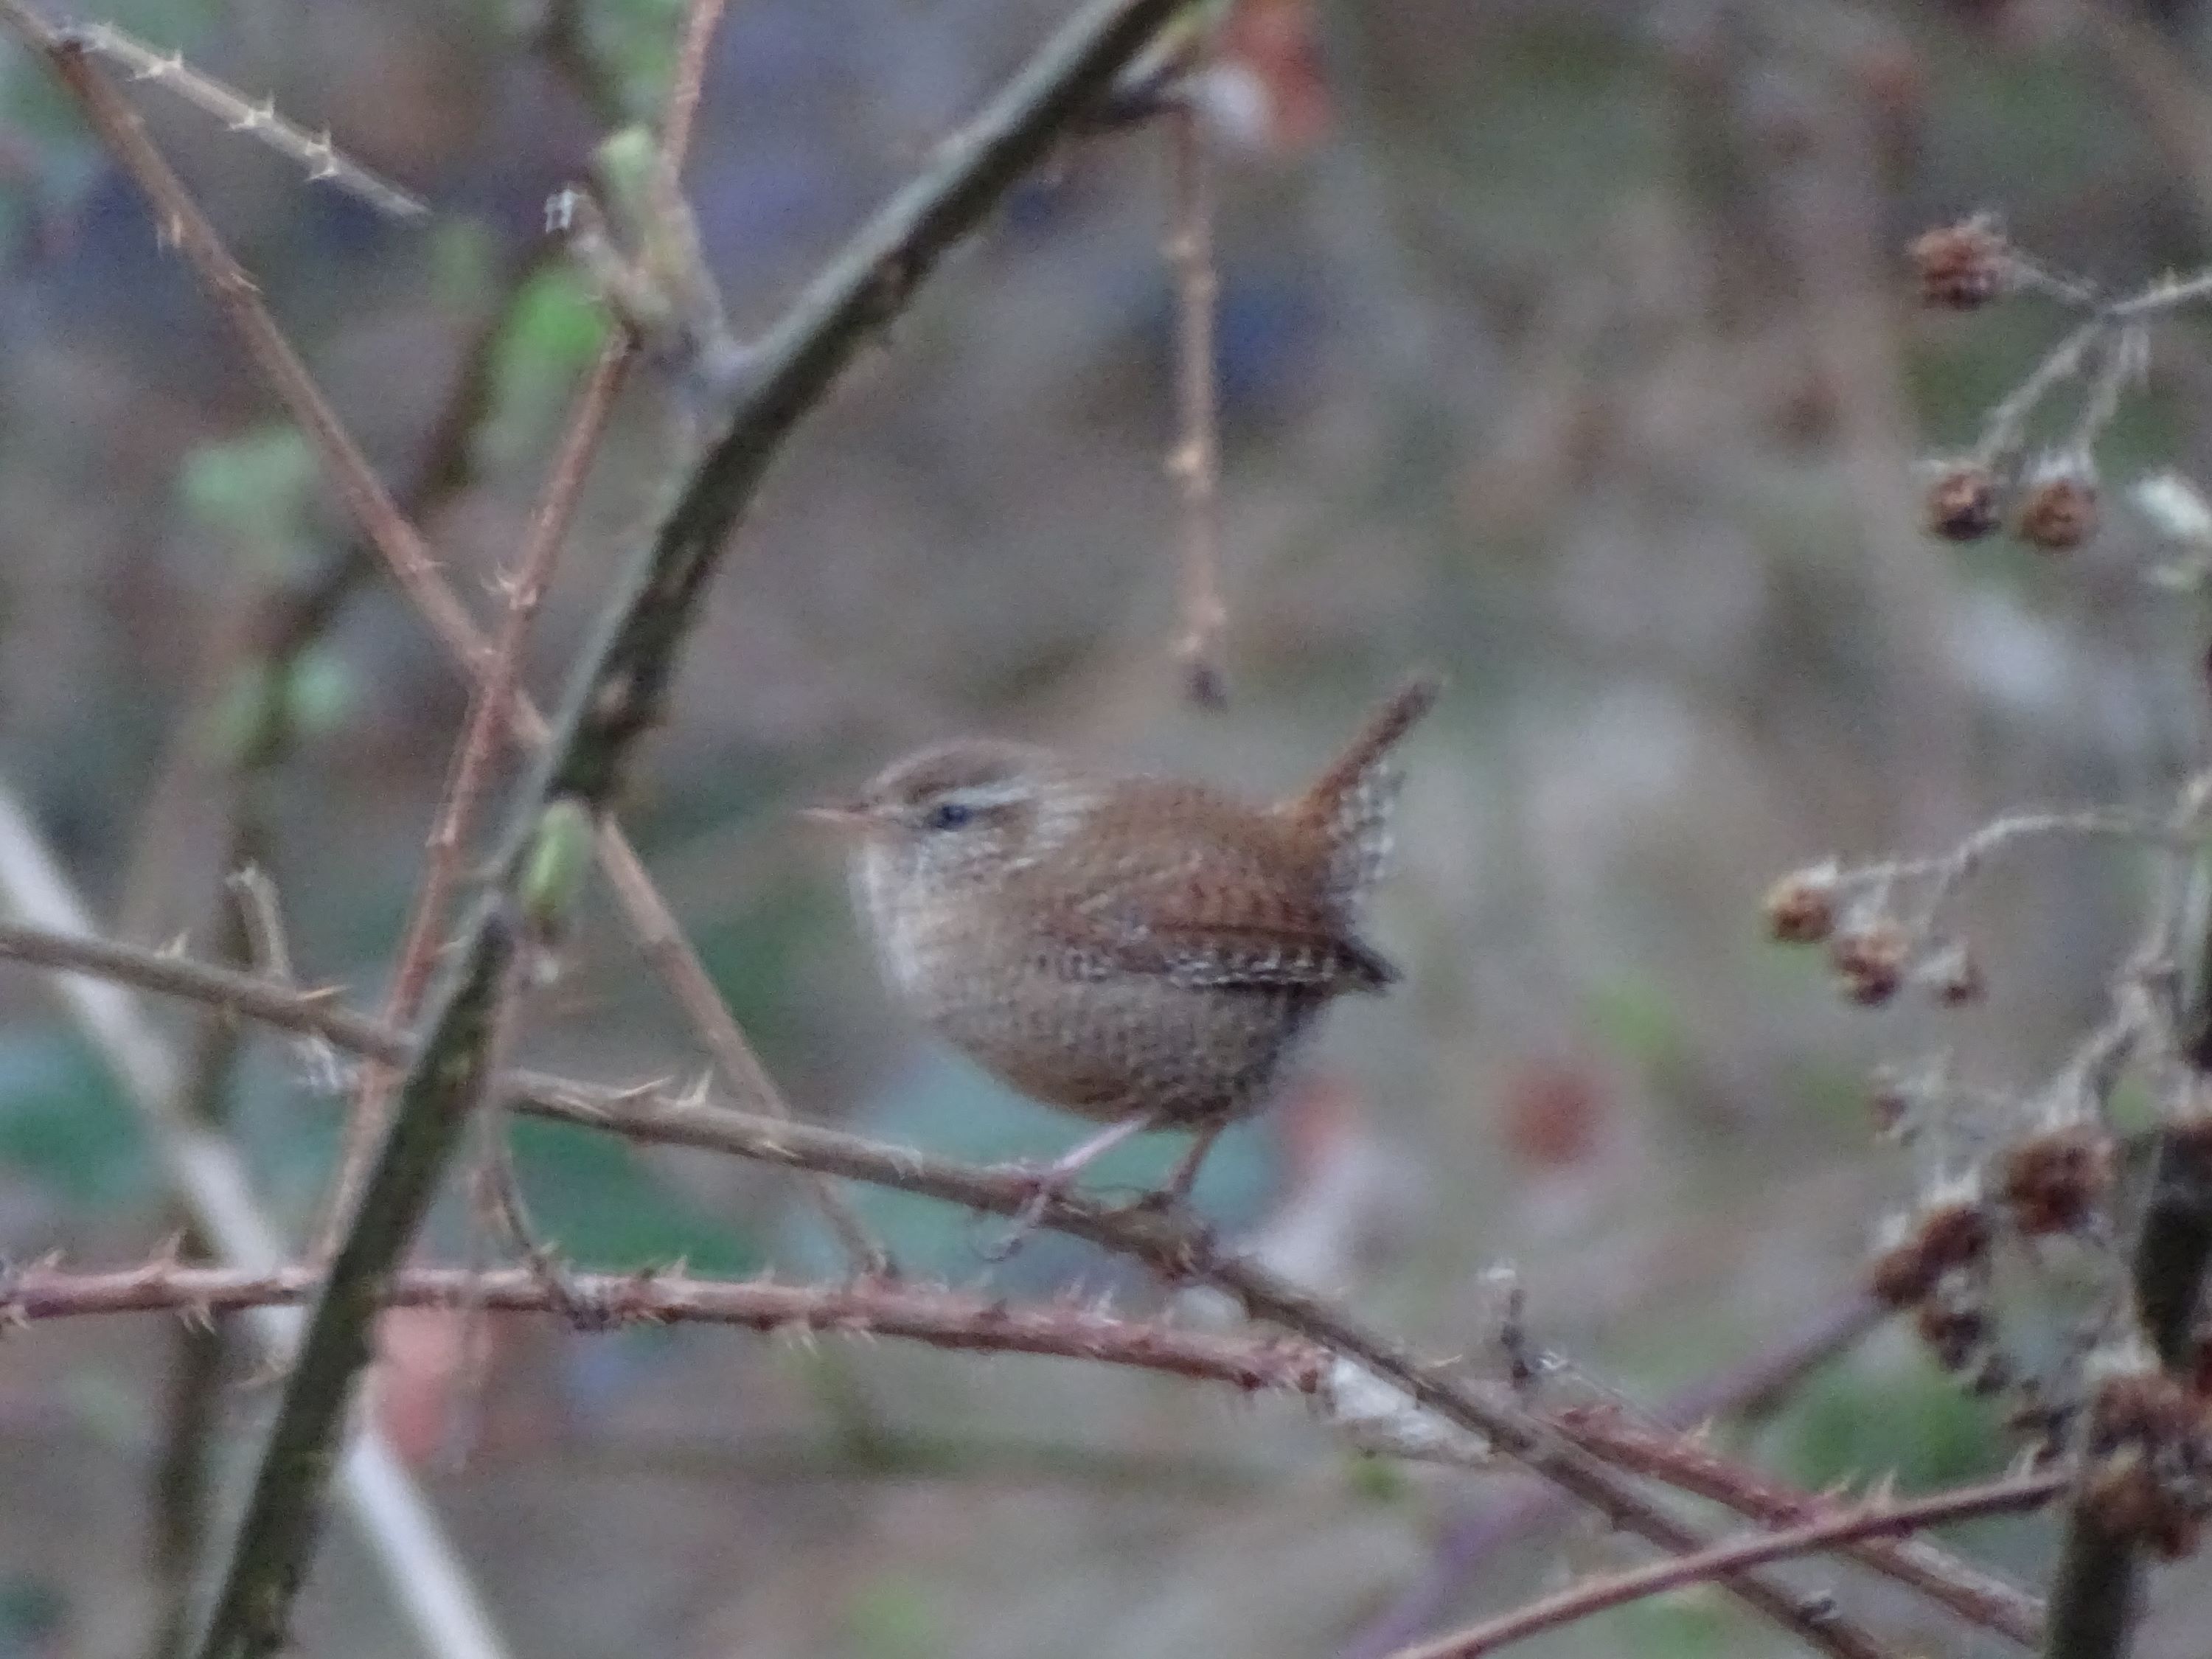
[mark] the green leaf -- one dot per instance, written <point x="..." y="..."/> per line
<point x="251" y="491"/>
<point x="554" y="329"/>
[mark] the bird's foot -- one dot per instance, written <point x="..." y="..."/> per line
<point x="1159" y="1200"/>
<point x="1042" y="1186"/>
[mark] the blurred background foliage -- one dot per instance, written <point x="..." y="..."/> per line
<point x="1564" y="345"/>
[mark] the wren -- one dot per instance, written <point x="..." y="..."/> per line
<point x="1140" y="950"/>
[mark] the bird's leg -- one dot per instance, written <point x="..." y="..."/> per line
<point x="1184" y="1176"/>
<point x="1057" y="1177"/>
<point x="1176" y="1190"/>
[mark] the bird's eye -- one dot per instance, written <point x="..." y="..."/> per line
<point x="950" y="814"/>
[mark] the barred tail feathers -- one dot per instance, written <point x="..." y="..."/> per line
<point x="1353" y="801"/>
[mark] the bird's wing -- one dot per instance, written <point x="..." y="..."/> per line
<point x="1214" y="902"/>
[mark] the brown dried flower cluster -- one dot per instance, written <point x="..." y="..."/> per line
<point x="1962" y="503"/>
<point x="1870" y="960"/>
<point x="1963" y="266"/>
<point x="2058" y="512"/>
<point x="1951" y="1230"/>
<point x="1873" y="955"/>
<point x="1800" y="908"/>
<point x="1937" y="1263"/>
<point x="2056" y="1181"/>
<point x="2054" y="510"/>
<point x="2147" y="1460"/>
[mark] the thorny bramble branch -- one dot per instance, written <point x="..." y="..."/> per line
<point x="653" y="1113"/>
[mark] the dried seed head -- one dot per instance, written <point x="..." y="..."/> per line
<point x="1951" y="1230"/>
<point x="2057" y="1180"/>
<point x="1992" y="1376"/>
<point x="1800" y="908"/>
<point x="2147" y="1465"/>
<point x="2058" y="509"/>
<point x="2046" y="1423"/>
<point x="1870" y="961"/>
<point x="1952" y="976"/>
<point x="1889" y="1104"/>
<point x="1962" y="501"/>
<point x="1962" y="265"/>
<point x="1953" y="1320"/>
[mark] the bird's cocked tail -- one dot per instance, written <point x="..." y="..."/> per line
<point x="1352" y="804"/>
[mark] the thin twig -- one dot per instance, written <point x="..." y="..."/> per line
<point x="427" y="1579"/>
<point x="190" y="1421"/>
<point x="681" y="110"/>
<point x="1747" y="1385"/>
<point x="261" y="649"/>
<point x="321" y="159"/>
<point x="1195" y="464"/>
<point x="490" y="706"/>
<point x="1878" y="1519"/>
<point x="1687" y="1463"/>
<point x="206" y="813"/>
<point x="671" y="954"/>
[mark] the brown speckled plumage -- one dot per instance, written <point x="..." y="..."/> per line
<point x="1119" y="946"/>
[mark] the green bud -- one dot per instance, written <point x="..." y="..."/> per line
<point x="554" y="869"/>
<point x="623" y="165"/>
<point x="1376" y="1480"/>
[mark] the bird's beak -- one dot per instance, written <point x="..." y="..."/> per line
<point x="843" y="817"/>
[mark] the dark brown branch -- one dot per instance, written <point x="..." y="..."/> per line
<point x="949" y="1320"/>
<point x="443" y="1085"/>
<point x="2096" y="1591"/>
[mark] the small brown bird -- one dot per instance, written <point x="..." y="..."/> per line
<point x="1141" y="951"/>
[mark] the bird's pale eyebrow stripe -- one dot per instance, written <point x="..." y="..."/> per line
<point x="984" y="796"/>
